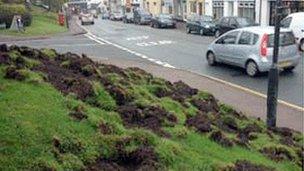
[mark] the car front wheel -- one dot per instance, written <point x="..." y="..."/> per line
<point x="211" y="59"/>
<point x="252" y="69"/>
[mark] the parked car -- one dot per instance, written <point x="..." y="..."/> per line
<point x="252" y="48"/>
<point x="86" y="18"/>
<point x="116" y="16"/>
<point x="295" y="22"/>
<point x="94" y="13"/>
<point x="105" y="16"/>
<point x="201" y="24"/>
<point x="226" y="24"/>
<point x="141" y="16"/>
<point x="128" y="18"/>
<point x="163" y="20"/>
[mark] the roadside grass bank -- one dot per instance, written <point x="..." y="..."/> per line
<point x="44" y="23"/>
<point x="66" y="112"/>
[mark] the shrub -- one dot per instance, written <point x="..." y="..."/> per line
<point x="7" y="13"/>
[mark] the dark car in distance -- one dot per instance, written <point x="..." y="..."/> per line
<point x="226" y="24"/>
<point x="162" y="21"/>
<point x="141" y="16"/>
<point x="204" y="25"/>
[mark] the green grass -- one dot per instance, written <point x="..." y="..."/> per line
<point x="32" y="115"/>
<point x="43" y="23"/>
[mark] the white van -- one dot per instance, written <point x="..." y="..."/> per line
<point x="295" y="22"/>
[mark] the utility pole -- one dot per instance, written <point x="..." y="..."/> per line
<point x="273" y="78"/>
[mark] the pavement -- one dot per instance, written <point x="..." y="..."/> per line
<point x="175" y="55"/>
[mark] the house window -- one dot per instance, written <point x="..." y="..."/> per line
<point x="193" y="7"/>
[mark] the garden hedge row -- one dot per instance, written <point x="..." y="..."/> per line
<point x="7" y="12"/>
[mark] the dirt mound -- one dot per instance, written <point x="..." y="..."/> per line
<point x="120" y="94"/>
<point x="4" y="58"/>
<point x="209" y="105"/>
<point x="106" y="68"/>
<point x="11" y="72"/>
<point x="143" y="158"/>
<point x="200" y="121"/>
<point x="221" y="139"/>
<point x="277" y="153"/>
<point x="66" y="80"/>
<point x="150" y="117"/>
<point x="181" y="91"/>
<point x="3" y="48"/>
<point x="105" y="128"/>
<point x="242" y="165"/>
<point x="227" y="124"/>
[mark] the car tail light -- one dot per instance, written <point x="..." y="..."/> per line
<point x="264" y="44"/>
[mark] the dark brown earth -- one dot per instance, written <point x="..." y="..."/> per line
<point x="150" y="117"/>
<point x="141" y="159"/>
<point x="243" y="165"/>
<point x="277" y="153"/>
<point x="221" y="139"/>
<point x="208" y="105"/>
<point x="200" y="121"/>
<point x="13" y="73"/>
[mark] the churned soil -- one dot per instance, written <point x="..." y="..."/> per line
<point x="143" y="158"/>
<point x="201" y="122"/>
<point x="208" y="105"/>
<point x="150" y="117"/>
<point x="277" y="153"/>
<point x="221" y="139"/>
<point x="242" y="165"/>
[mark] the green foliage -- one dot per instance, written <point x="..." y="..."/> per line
<point x="102" y="98"/>
<point x="7" y="12"/>
<point x="50" y="53"/>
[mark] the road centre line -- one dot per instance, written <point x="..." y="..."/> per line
<point x="165" y="64"/>
<point x="98" y="39"/>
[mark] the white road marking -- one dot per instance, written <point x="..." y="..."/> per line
<point x="137" y="38"/>
<point x="165" y="64"/>
<point x="157" y="43"/>
<point x="94" y="38"/>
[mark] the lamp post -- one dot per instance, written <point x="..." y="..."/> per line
<point x="273" y="77"/>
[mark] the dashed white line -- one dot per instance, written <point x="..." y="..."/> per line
<point x="103" y="41"/>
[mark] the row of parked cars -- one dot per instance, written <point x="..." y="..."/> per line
<point x="239" y="40"/>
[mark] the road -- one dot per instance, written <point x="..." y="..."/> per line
<point x="171" y="48"/>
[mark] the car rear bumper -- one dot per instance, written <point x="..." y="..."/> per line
<point x="265" y="66"/>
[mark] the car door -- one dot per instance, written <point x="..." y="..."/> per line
<point x="226" y="48"/>
<point x="245" y="48"/>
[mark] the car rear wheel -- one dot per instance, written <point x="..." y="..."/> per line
<point x="252" y="69"/>
<point x="289" y="69"/>
<point x="217" y="33"/>
<point x="302" y="45"/>
<point x="211" y="59"/>
<point x="202" y="32"/>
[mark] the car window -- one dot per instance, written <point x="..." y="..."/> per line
<point x="286" y="38"/>
<point x="245" y="38"/>
<point x="286" y="22"/>
<point x="255" y="39"/>
<point x="233" y="22"/>
<point x="224" y="21"/>
<point x="229" y="38"/>
<point x="245" y="21"/>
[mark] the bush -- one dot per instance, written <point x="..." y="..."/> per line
<point x="7" y="13"/>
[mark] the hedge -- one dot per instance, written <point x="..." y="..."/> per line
<point x="7" y="13"/>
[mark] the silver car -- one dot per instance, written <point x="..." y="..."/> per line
<point x="252" y="48"/>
